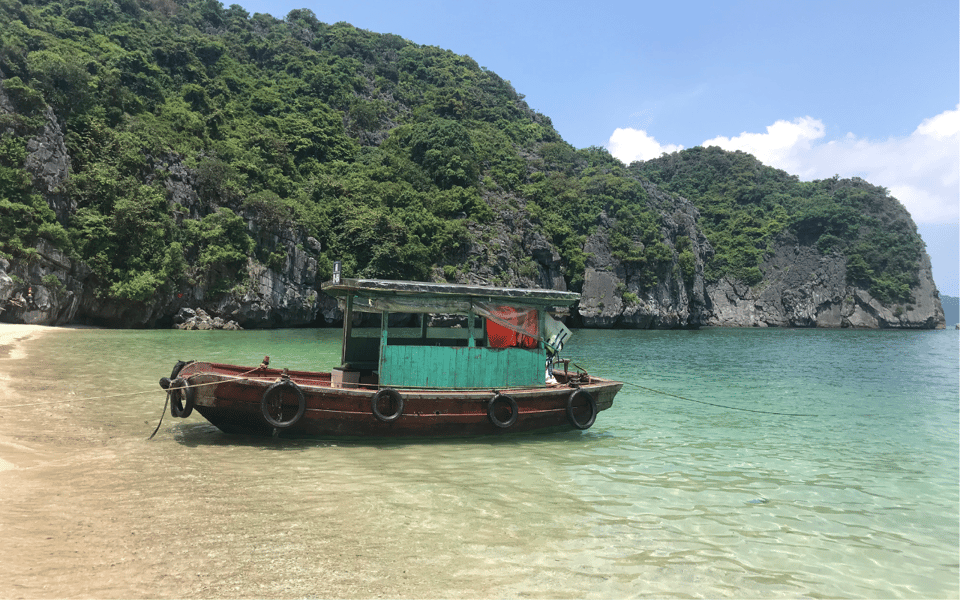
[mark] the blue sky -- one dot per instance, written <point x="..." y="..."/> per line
<point x="817" y="88"/>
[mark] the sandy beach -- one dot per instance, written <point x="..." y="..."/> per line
<point x="12" y="354"/>
<point x="55" y="540"/>
<point x="12" y="336"/>
<point x="91" y="509"/>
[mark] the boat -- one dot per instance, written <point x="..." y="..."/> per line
<point x="445" y="361"/>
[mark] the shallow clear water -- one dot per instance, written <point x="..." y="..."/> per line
<point x="667" y="495"/>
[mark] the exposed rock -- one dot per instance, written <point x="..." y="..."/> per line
<point x="7" y="285"/>
<point x="510" y="251"/>
<point x="180" y="185"/>
<point x="601" y="305"/>
<point x="49" y="164"/>
<point x="47" y="159"/>
<point x="43" y="291"/>
<point x="618" y="295"/>
<point x="198" y="320"/>
<point x="803" y="288"/>
<point x="282" y="295"/>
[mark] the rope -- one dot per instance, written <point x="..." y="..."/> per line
<point x="161" y="417"/>
<point x="167" y="400"/>
<point x="762" y="412"/>
<point x="150" y="391"/>
<point x="79" y="399"/>
<point x="662" y="393"/>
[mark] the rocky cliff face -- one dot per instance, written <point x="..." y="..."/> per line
<point x="50" y="288"/>
<point x="46" y="290"/>
<point x="616" y="294"/>
<point x="510" y="251"/>
<point x="803" y="288"/>
<point x="278" y="296"/>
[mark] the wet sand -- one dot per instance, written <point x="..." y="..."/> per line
<point x="12" y="355"/>
<point x="45" y="553"/>
<point x="90" y="509"/>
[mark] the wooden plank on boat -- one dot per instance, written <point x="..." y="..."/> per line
<point x="423" y="293"/>
<point x="460" y="367"/>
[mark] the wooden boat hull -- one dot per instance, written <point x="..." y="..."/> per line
<point x="232" y="398"/>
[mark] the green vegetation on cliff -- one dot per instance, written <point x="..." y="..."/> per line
<point x="185" y="121"/>
<point x="381" y="149"/>
<point x="745" y="205"/>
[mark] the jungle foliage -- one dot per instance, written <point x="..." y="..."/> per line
<point x="745" y="205"/>
<point x="380" y="148"/>
<point x="385" y="151"/>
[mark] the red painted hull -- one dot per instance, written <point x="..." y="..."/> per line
<point x="231" y="398"/>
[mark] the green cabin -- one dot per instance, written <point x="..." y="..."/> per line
<point x="503" y="342"/>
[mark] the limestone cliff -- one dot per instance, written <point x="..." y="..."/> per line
<point x="652" y="246"/>
<point x="49" y="287"/>
<point x="616" y="294"/>
<point x="803" y="288"/>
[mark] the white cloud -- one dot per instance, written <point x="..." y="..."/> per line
<point x="922" y="170"/>
<point x="634" y="144"/>
<point x="782" y="146"/>
<point x="944" y="125"/>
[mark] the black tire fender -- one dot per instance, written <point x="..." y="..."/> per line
<point x="391" y="394"/>
<point x="593" y="409"/>
<point x="182" y="398"/>
<point x="179" y="367"/>
<point x="492" y="410"/>
<point x="278" y="388"/>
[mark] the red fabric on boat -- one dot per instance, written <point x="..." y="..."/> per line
<point x="501" y="336"/>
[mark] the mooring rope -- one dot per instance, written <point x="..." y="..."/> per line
<point x="88" y="399"/>
<point x="242" y="377"/>
<point x="150" y="391"/>
<point x="753" y="410"/>
<point x="762" y="412"/>
<point x="163" y="412"/>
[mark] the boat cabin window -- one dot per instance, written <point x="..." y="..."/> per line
<point x="444" y="330"/>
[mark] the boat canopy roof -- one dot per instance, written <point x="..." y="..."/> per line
<point x="377" y="295"/>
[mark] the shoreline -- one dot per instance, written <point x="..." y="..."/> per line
<point x="12" y="338"/>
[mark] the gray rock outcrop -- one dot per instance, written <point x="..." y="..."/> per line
<point x="46" y="290"/>
<point x="279" y="284"/>
<point x="616" y="294"/>
<point x="49" y="164"/>
<point x="281" y="295"/>
<point x="803" y="288"/>
<point x="510" y="251"/>
<point x="198" y="320"/>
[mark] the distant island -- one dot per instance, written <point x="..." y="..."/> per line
<point x="161" y="156"/>
<point x="951" y="309"/>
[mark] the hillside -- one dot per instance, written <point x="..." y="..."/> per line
<point x="845" y="235"/>
<point x="158" y="155"/>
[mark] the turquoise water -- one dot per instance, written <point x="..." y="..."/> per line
<point x="667" y="495"/>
